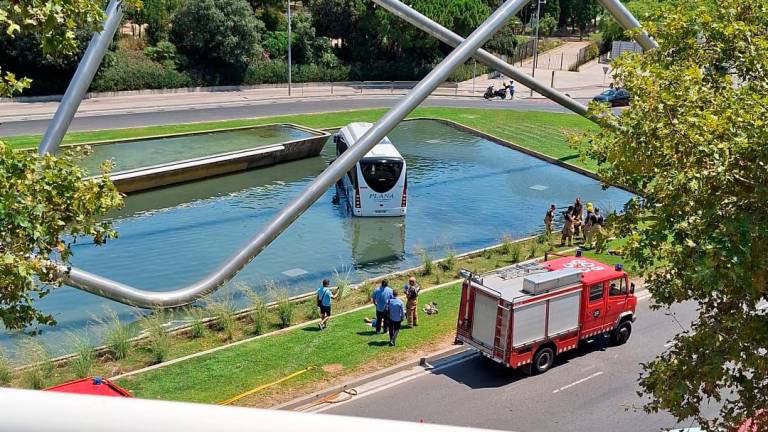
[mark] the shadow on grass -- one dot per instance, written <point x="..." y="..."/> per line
<point x="313" y="328"/>
<point x="366" y="333"/>
<point x="378" y="343"/>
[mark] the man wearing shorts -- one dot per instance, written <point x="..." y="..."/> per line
<point x="324" y="296"/>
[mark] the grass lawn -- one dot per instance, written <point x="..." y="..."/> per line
<point x="540" y="131"/>
<point x="347" y="342"/>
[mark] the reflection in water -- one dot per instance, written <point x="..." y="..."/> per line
<point x="374" y="240"/>
<point x="464" y="193"/>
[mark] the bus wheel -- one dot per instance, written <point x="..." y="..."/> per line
<point x="621" y="334"/>
<point x="543" y="359"/>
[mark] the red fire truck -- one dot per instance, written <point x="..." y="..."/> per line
<point x="525" y="315"/>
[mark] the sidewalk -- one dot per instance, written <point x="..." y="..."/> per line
<point x="584" y="84"/>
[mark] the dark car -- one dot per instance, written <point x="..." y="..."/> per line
<point x="616" y="97"/>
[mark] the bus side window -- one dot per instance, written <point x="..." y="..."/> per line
<point x="596" y="292"/>
<point x="617" y="287"/>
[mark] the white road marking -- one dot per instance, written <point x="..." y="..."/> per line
<point x="421" y="372"/>
<point x="596" y="374"/>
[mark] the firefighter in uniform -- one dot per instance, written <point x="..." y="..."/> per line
<point x="411" y="290"/>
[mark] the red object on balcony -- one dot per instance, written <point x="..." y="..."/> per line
<point x="92" y="386"/>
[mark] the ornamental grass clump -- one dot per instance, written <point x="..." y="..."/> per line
<point x="39" y="369"/>
<point x="285" y="308"/>
<point x="117" y="336"/>
<point x="259" y="314"/>
<point x="223" y="309"/>
<point x="426" y="262"/>
<point x="82" y="364"/>
<point x="6" y="370"/>
<point x="159" y="343"/>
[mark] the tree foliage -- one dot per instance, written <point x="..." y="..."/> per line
<point x="45" y="202"/>
<point x="45" y="205"/>
<point x="218" y="36"/>
<point x="693" y="145"/>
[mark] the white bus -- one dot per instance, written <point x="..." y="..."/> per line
<point x="377" y="185"/>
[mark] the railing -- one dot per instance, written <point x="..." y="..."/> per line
<point x="65" y="412"/>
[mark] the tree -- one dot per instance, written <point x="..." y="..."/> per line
<point x="218" y="37"/>
<point x="547" y="25"/>
<point x="611" y="31"/>
<point x="45" y="203"/>
<point x="693" y="146"/>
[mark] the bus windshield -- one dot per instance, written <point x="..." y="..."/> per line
<point x="381" y="174"/>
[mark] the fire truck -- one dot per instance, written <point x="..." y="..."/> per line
<point x="523" y="316"/>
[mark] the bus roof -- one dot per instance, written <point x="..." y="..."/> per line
<point x="354" y="131"/>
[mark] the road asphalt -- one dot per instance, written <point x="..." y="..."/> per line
<point x="123" y="118"/>
<point x="591" y="389"/>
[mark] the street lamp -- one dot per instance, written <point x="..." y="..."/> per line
<point x="536" y="39"/>
<point x="289" y="47"/>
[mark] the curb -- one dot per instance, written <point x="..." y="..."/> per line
<point x="307" y="400"/>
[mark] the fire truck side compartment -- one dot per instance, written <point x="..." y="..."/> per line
<point x="529" y="323"/>
<point x="484" y="319"/>
<point x="564" y="312"/>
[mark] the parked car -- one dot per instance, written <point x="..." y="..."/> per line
<point x="616" y="97"/>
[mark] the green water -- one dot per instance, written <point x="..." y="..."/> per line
<point x="157" y="151"/>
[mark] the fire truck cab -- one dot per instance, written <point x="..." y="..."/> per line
<point x="525" y="315"/>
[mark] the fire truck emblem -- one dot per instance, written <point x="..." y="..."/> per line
<point x="583" y="265"/>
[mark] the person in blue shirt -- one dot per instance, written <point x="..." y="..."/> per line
<point x="396" y="313"/>
<point x="380" y="298"/>
<point x="324" y="296"/>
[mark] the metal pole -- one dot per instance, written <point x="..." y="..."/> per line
<point x="148" y="299"/>
<point x="628" y="22"/>
<point x="289" y="48"/>
<point x="474" y="74"/>
<point x="82" y="79"/>
<point x="448" y="37"/>
<point x="536" y="41"/>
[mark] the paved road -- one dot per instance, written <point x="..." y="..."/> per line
<point x="589" y="390"/>
<point x="110" y="119"/>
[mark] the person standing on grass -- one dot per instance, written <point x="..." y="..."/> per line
<point x="599" y="234"/>
<point x="411" y="290"/>
<point x="567" y="227"/>
<point x="548" y="219"/>
<point x="396" y="312"/>
<point x="589" y="223"/>
<point x="380" y="298"/>
<point x="578" y="211"/>
<point x="324" y="296"/>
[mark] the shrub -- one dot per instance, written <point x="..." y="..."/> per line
<point x="164" y="53"/>
<point x="313" y="312"/>
<point x="217" y="35"/>
<point x="259" y="313"/>
<point x="450" y="260"/>
<point x="285" y="308"/>
<point x="6" y="370"/>
<point x="426" y="262"/>
<point x="515" y="252"/>
<point x="366" y="287"/>
<point x="128" y="70"/>
<point x="157" y="336"/>
<point x="83" y="363"/>
<point x="506" y="244"/>
<point x="488" y="253"/>
<point x="224" y="311"/>
<point x="465" y="72"/>
<point x="197" y="327"/>
<point x="276" y="72"/>
<point x="534" y="251"/>
<point x="38" y="360"/>
<point x="117" y="336"/>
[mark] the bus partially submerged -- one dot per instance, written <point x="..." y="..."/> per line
<point x="378" y="184"/>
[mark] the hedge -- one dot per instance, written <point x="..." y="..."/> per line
<point x="130" y="70"/>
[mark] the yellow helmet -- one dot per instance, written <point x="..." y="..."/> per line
<point x="590" y="207"/>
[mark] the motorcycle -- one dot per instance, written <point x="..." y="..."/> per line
<point x="491" y="93"/>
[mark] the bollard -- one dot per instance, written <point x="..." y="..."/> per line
<point x="552" y="83"/>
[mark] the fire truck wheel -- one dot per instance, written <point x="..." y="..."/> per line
<point x="621" y="334"/>
<point x="543" y="359"/>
